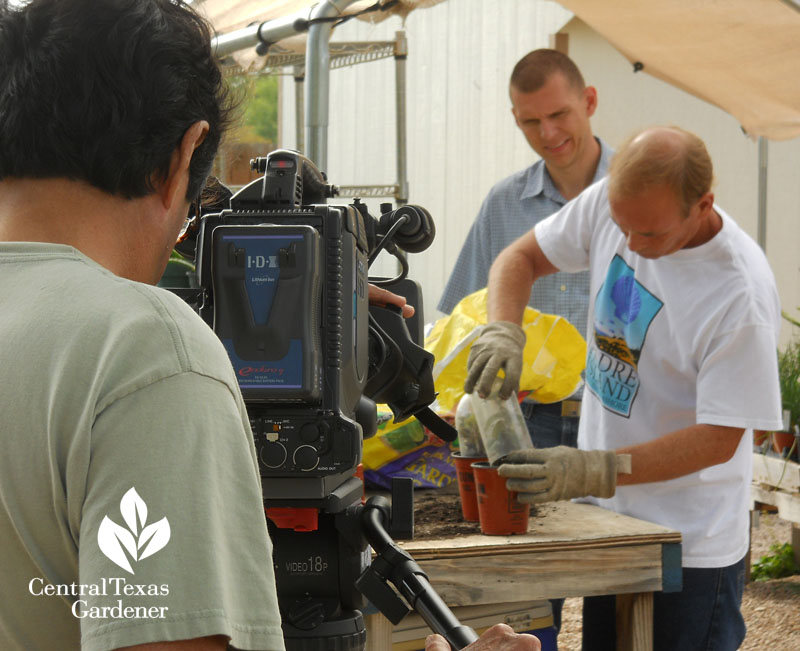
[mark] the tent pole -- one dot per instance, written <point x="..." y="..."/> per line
<point x="317" y="63"/>
<point x="260" y="34"/>
<point x="763" y="155"/>
<point x="299" y="121"/>
<point x="400" y="55"/>
<point x="317" y="84"/>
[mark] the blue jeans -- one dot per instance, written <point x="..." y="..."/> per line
<point x="704" y="616"/>
<point x="548" y="429"/>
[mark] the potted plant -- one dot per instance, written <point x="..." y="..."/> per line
<point x="789" y="372"/>
<point x="178" y="273"/>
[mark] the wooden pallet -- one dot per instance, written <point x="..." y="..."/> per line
<point x="776" y="482"/>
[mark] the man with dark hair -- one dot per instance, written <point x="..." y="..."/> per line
<point x="552" y="106"/>
<point x="131" y="512"/>
<point x="130" y="501"/>
<point x="680" y="367"/>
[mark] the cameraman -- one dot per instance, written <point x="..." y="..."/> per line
<point x="111" y="112"/>
<point x="130" y="502"/>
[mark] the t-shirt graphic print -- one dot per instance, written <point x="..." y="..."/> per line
<point x="623" y="312"/>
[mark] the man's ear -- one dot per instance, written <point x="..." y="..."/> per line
<point x="590" y="97"/>
<point x="173" y="188"/>
<point x="705" y="203"/>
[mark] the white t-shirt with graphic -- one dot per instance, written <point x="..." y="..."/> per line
<point x="689" y="338"/>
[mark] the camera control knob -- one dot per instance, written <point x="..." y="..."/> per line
<point x="306" y="457"/>
<point x="311" y="432"/>
<point x="273" y="455"/>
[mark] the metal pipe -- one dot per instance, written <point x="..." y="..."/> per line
<point x="763" y="159"/>
<point x="317" y="80"/>
<point x="400" y="55"/>
<point x="266" y="33"/>
<point x="299" y="121"/>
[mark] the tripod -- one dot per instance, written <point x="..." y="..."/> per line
<point x="324" y="574"/>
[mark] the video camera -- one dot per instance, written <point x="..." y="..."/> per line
<point x="283" y="280"/>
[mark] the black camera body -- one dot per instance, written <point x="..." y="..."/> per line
<point x="283" y="281"/>
<point x="290" y="304"/>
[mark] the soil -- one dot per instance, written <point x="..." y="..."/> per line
<point x="437" y="514"/>
<point x="771" y="609"/>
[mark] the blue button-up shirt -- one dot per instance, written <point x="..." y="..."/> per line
<point x="512" y="208"/>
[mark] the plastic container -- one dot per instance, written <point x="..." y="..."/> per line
<point x="470" y="443"/>
<point x="501" y="424"/>
<point x="466" y="485"/>
<point x="499" y="512"/>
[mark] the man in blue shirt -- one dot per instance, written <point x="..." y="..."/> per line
<point x="552" y="106"/>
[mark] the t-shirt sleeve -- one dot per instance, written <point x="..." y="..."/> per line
<point x="173" y="535"/>
<point x="565" y="236"/>
<point x="737" y="383"/>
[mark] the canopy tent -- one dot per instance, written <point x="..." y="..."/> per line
<point x="742" y="56"/>
<point x="229" y="15"/>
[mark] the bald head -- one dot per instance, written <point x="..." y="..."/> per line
<point x="662" y="156"/>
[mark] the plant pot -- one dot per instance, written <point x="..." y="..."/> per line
<point x="178" y="273"/>
<point x="499" y="511"/>
<point x="783" y="441"/>
<point x="466" y="486"/>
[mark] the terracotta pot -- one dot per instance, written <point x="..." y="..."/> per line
<point x="499" y="511"/>
<point x="760" y="437"/>
<point x="781" y="440"/>
<point x="466" y="486"/>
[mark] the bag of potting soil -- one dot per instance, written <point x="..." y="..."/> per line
<point x="406" y="449"/>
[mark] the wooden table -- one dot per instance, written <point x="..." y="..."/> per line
<point x="570" y="550"/>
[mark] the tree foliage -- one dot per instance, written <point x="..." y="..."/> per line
<point x="259" y="122"/>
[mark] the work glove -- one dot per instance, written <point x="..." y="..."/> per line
<point x="499" y="346"/>
<point x="562" y="473"/>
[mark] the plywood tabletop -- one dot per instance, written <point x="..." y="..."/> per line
<point x="557" y="526"/>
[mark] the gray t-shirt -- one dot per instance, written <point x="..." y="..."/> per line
<point x="130" y="499"/>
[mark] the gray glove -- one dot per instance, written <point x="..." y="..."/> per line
<point x="562" y="473"/>
<point x="499" y="346"/>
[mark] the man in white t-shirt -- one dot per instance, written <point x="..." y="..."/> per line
<point x="681" y="366"/>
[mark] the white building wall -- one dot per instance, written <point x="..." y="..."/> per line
<point x="461" y="134"/>
<point x="462" y="137"/>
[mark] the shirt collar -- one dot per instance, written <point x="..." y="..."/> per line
<point x="540" y="182"/>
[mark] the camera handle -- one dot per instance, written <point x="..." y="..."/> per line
<point x="395" y="565"/>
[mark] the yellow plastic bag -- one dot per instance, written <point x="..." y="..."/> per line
<point x="553" y="359"/>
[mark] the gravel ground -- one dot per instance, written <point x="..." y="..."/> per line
<point x="771" y="608"/>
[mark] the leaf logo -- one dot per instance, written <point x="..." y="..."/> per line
<point x="139" y="540"/>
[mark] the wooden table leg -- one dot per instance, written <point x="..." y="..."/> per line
<point x="379" y="633"/>
<point x="635" y="622"/>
